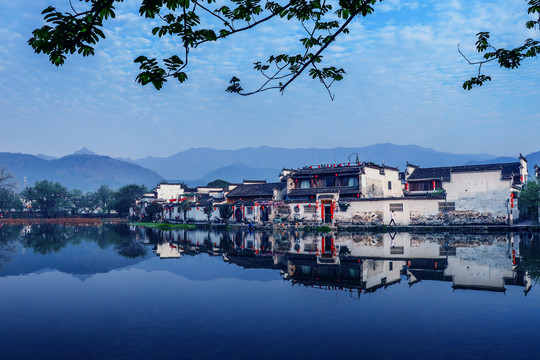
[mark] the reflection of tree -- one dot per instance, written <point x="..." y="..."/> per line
<point x="530" y="260"/>
<point x="48" y="238"/>
<point x="8" y="236"/>
<point x="131" y="248"/>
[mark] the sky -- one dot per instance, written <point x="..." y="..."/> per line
<point x="403" y="86"/>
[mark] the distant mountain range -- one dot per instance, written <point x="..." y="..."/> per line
<point x="201" y="164"/>
<point x="86" y="170"/>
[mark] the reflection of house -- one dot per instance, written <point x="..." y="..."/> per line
<point x="255" y="200"/>
<point x="167" y="250"/>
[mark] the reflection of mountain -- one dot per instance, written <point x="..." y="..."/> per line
<point x="81" y="260"/>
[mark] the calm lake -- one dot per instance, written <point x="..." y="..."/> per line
<point x="121" y="292"/>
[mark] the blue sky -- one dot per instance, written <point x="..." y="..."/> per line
<point x="403" y="86"/>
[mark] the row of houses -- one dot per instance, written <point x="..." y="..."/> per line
<point x="361" y="194"/>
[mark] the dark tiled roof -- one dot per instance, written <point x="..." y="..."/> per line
<point x="438" y="173"/>
<point x="354" y="169"/>
<point x="341" y="170"/>
<point x="255" y="190"/>
<point x="314" y="191"/>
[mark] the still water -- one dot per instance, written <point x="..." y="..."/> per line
<point x="120" y="292"/>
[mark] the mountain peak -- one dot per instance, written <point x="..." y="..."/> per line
<point x="84" y="151"/>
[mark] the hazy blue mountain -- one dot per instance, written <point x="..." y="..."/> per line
<point x="85" y="172"/>
<point x="199" y="162"/>
<point x="502" y="159"/>
<point x="532" y="159"/>
<point x="46" y="157"/>
<point x="238" y="172"/>
<point x="84" y="151"/>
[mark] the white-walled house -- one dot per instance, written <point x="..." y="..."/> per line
<point x="477" y="193"/>
<point x="170" y="191"/>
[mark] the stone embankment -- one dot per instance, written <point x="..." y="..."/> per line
<point x="63" y="221"/>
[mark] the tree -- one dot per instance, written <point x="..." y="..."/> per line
<point x="125" y="197"/>
<point x="219" y="183"/>
<point x="78" y="201"/>
<point x="104" y="195"/>
<point x="197" y="22"/>
<point x="47" y="197"/>
<point x="225" y="212"/>
<point x="80" y="30"/>
<point x="7" y="180"/>
<point x="208" y="209"/>
<point x="529" y="200"/>
<point x="153" y="209"/>
<point x="184" y="206"/>
<point x="507" y="58"/>
<point x="9" y="200"/>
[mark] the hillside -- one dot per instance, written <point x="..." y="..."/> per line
<point x="200" y="162"/>
<point x="85" y="172"/>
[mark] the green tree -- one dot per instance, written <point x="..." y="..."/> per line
<point x="153" y="209"/>
<point x="225" y="212"/>
<point x="506" y="58"/>
<point x="185" y="206"/>
<point x="125" y="197"/>
<point x="47" y="197"/>
<point x="219" y="183"/>
<point x="104" y="196"/>
<point x="529" y="200"/>
<point x="197" y="22"/>
<point x="9" y="200"/>
<point x="78" y="202"/>
<point x="208" y="209"/>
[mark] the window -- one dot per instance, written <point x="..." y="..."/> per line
<point x="397" y="250"/>
<point x="396" y="207"/>
<point x="448" y="206"/>
<point x="305" y="184"/>
<point x="309" y="209"/>
<point x="249" y="210"/>
<point x="389" y="185"/>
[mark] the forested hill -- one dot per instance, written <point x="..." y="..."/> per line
<point x="83" y="171"/>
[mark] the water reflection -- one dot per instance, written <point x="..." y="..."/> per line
<point x="366" y="262"/>
<point x="357" y="263"/>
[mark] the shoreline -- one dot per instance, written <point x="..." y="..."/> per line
<point x="63" y="221"/>
<point x="470" y="228"/>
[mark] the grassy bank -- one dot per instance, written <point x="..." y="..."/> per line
<point x="164" y="226"/>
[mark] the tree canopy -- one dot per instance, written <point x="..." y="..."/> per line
<point x="125" y="197"/>
<point x="529" y="200"/>
<point x="48" y="197"/>
<point x="196" y="22"/>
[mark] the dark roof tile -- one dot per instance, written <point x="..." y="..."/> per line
<point x="437" y="173"/>
<point x="255" y="190"/>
